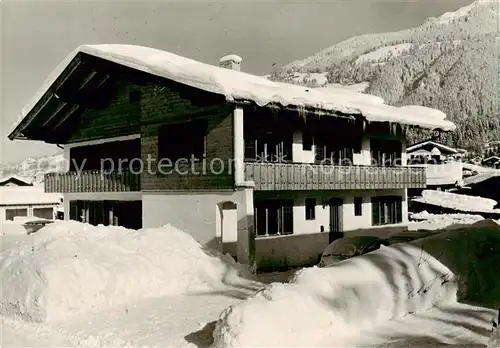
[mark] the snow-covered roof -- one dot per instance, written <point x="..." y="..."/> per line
<point x="240" y="86"/>
<point x="492" y="158"/>
<point x="434" y="144"/>
<point x="25" y="195"/>
<point x="6" y="179"/>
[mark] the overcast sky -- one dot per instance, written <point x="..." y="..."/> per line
<point x="37" y="35"/>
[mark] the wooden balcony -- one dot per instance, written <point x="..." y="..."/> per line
<point x="92" y="181"/>
<point x="299" y="176"/>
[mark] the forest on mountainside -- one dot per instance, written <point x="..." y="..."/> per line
<point x="451" y="63"/>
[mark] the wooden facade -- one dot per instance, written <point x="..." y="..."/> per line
<point x="100" y="99"/>
<point x="301" y="176"/>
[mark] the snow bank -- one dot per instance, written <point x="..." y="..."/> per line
<point x="457" y="201"/>
<point x="494" y="341"/>
<point x="330" y="306"/>
<point x="237" y="86"/>
<point x="437" y="221"/>
<point x="10" y="228"/>
<point x="69" y="267"/>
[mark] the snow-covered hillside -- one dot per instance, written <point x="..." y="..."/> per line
<point x="384" y="53"/>
<point x="449" y="63"/>
<point x="34" y="168"/>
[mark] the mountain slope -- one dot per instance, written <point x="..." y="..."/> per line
<point x="34" y="168"/>
<point x="450" y="62"/>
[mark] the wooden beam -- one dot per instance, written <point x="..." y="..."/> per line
<point x="48" y="96"/>
<point x="63" y="103"/>
<point x="58" y="110"/>
<point x="66" y="116"/>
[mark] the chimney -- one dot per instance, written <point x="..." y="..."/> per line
<point x="231" y="62"/>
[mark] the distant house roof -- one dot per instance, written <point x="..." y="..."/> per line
<point x="492" y="159"/>
<point x="15" y="181"/>
<point x="50" y="107"/>
<point x="27" y="195"/>
<point x="431" y="144"/>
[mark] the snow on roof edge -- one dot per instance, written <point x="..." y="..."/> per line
<point x="416" y="146"/>
<point x="235" y="85"/>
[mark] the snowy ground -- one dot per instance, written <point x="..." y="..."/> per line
<point x="458" y="202"/>
<point x="144" y="301"/>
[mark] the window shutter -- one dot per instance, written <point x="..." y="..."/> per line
<point x="287" y="219"/>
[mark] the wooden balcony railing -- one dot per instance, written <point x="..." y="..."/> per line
<point x="92" y="181"/>
<point x="299" y="176"/>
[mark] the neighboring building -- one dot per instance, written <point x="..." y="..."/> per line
<point x="491" y="162"/>
<point x="231" y="158"/>
<point x="444" y="167"/>
<point x="491" y="148"/>
<point x="15" y="181"/>
<point x="28" y="201"/>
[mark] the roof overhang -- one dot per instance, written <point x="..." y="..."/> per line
<point x="85" y="74"/>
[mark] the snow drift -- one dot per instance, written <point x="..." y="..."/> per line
<point x="330" y="306"/>
<point x="69" y="267"/>
<point x="11" y="228"/>
<point x="457" y="201"/>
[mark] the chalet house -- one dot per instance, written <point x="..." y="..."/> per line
<point x="491" y="162"/>
<point x="444" y="167"/>
<point x="429" y="150"/>
<point x="268" y="172"/>
<point x="491" y="148"/>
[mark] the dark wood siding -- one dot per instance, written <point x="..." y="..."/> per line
<point x="121" y="117"/>
<point x="214" y="172"/>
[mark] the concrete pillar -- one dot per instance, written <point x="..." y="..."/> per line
<point x="246" y="230"/>
<point x="66" y="207"/>
<point x="239" y="147"/>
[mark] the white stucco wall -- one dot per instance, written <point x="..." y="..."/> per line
<point x="349" y="220"/>
<point x="363" y="158"/>
<point x="200" y="214"/>
<point x="298" y="153"/>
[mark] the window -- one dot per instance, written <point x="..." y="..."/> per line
<point x="385" y="152"/>
<point x="310" y="208"/>
<point x="358" y="206"/>
<point x="182" y="140"/>
<point x="387" y="210"/>
<point x="267" y="140"/>
<point x="333" y="149"/>
<point x="307" y="140"/>
<point x="10" y="214"/>
<point x="273" y="218"/>
<point x="44" y="213"/>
